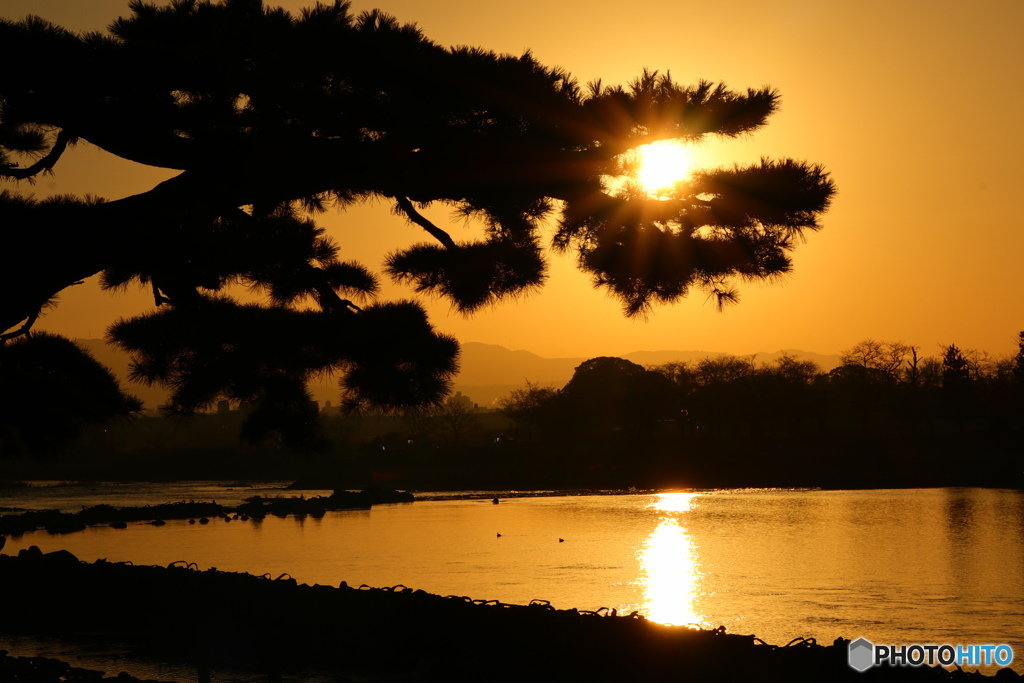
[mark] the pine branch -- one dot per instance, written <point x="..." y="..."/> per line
<point x="410" y="212"/>
<point x="46" y="163"/>
<point x="328" y="298"/>
<point x="21" y="331"/>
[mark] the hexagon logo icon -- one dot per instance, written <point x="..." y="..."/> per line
<point x="861" y="655"/>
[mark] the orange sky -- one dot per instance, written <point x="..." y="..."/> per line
<point x="913" y="106"/>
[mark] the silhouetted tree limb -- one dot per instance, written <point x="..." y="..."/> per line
<point x="23" y="330"/>
<point x="43" y="164"/>
<point x="410" y="212"/>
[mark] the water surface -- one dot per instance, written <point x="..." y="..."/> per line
<point x="893" y="566"/>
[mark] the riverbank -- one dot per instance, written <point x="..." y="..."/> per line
<point x="270" y="627"/>
<point x="201" y="512"/>
<point x="50" y="670"/>
<point x="17" y="522"/>
<point x="856" y="459"/>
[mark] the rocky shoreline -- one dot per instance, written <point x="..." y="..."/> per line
<point x="257" y="507"/>
<point x="49" y="670"/>
<point x="211" y="618"/>
<point x="56" y="522"/>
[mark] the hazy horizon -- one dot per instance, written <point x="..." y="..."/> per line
<point x="488" y="372"/>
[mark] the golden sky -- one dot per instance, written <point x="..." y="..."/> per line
<point x="913" y="106"/>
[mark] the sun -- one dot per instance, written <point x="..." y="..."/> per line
<point x="662" y="164"/>
<point x="654" y="168"/>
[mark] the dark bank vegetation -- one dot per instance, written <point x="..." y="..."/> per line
<point x="264" y="119"/>
<point x="212" y="619"/>
<point x="887" y="417"/>
<point x="51" y="390"/>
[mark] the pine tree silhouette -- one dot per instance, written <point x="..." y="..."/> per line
<point x="271" y="117"/>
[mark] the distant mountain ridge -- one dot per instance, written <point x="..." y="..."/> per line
<point x="488" y="371"/>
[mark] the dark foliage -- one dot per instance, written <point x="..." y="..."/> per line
<point x="51" y="389"/>
<point x="916" y="419"/>
<point x="615" y="394"/>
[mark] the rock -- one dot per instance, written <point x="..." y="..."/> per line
<point x="380" y="494"/>
<point x="30" y="553"/>
<point x="65" y="524"/>
<point x="61" y="557"/>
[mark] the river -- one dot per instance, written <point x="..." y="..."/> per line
<point x="893" y="566"/>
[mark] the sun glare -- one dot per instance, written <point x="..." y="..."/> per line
<point x="662" y="164"/>
<point x="669" y="560"/>
<point x="671" y="578"/>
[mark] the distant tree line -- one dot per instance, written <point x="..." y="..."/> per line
<point x="887" y="416"/>
<point x="883" y="394"/>
<point x="879" y="386"/>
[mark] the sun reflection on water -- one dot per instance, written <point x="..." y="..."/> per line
<point x="669" y="561"/>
